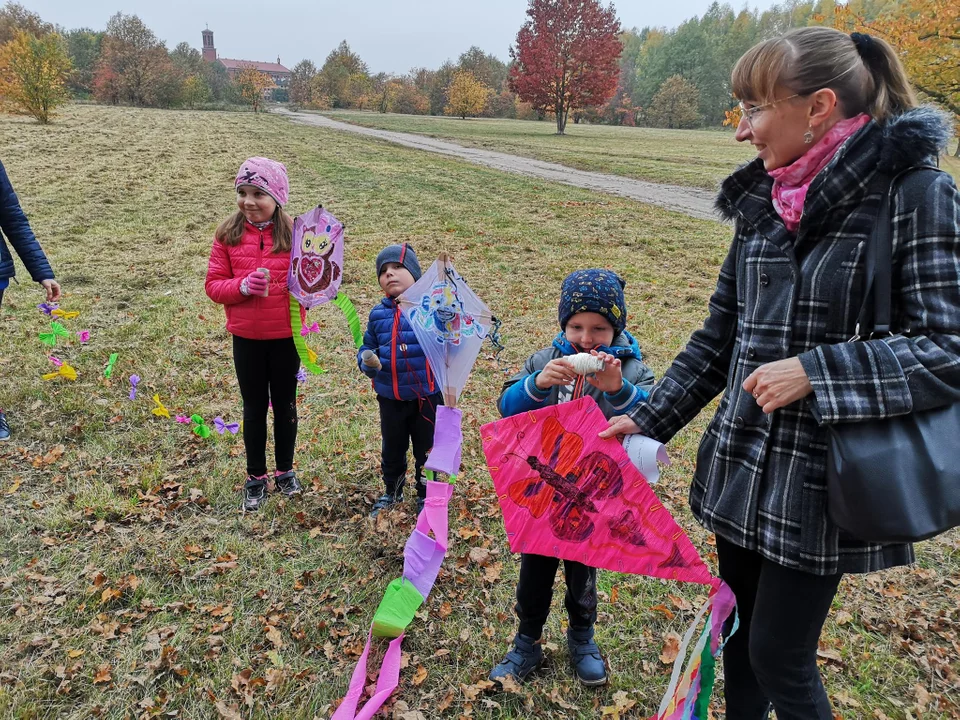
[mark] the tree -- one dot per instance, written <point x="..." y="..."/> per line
<point x="252" y="83"/>
<point x="466" y="96"/>
<point x="675" y="104"/>
<point x="83" y="47"/>
<point x="488" y="69"/>
<point x="438" y="89"/>
<point x="14" y="18"/>
<point x="334" y="78"/>
<point x="926" y="35"/>
<point x="135" y="67"/>
<point x="195" y="91"/>
<point x="566" y="56"/>
<point x="33" y="75"/>
<point x="301" y="80"/>
<point x="404" y="97"/>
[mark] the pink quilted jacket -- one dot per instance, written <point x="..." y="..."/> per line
<point x="251" y="317"/>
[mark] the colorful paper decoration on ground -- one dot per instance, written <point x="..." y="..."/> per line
<point x="134" y="381"/>
<point x="56" y="330"/>
<point x="108" y="369"/>
<point x="63" y="370"/>
<point x="200" y="428"/>
<point x="160" y="410"/>
<point x="457" y="325"/>
<point x="222" y="427"/>
<point x="450" y="322"/>
<point x="65" y="315"/>
<point x="566" y="493"/>
<point x="316" y="271"/>
<point x="83" y="336"/>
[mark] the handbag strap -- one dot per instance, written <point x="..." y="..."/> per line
<point x="875" y="309"/>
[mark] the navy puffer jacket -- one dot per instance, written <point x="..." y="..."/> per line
<point x="405" y="373"/>
<point x="15" y="227"/>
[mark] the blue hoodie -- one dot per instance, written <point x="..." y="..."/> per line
<point x="520" y="393"/>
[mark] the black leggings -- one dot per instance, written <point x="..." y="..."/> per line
<point x="267" y="371"/>
<point x="772" y="658"/>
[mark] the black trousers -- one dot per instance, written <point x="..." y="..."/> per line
<point x="267" y="371"/>
<point x="772" y="658"/>
<point x="535" y="591"/>
<point x="403" y="421"/>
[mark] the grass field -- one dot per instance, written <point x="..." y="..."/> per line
<point x="698" y="158"/>
<point x="130" y="587"/>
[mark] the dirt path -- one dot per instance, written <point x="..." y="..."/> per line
<point x="693" y="202"/>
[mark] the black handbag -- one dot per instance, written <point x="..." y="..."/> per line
<point x="895" y="479"/>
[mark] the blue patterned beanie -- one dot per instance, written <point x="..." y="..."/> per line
<point x="595" y="290"/>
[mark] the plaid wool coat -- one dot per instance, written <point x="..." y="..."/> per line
<point x="760" y="480"/>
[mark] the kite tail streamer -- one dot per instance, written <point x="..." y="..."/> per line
<point x="688" y="695"/>
<point x="307" y="356"/>
<point x="350" y="313"/>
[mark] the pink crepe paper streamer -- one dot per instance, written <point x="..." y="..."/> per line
<point x="183" y="419"/>
<point x="84" y="335"/>
<point x="387" y="681"/>
<point x="56" y="361"/>
<point x="307" y="329"/>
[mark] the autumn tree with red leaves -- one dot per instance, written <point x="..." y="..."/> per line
<point x="566" y="56"/>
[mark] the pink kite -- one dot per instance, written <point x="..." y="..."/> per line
<point x="566" y="493"/>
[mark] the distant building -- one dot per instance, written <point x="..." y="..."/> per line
<point x="277" y="72"/>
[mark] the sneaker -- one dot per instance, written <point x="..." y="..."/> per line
<point x="525" y="657"/>
<point x="288" y="483"/>
<point x="4" y="427"/>
<point x="585" y="657"/>
<point x="254" y="493"/>
<point x="384" y="501"/>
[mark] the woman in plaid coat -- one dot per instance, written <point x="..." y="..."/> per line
<point x="830" y="115"/>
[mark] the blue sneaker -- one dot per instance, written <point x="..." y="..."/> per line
<point x="524" y="657"/>
<point x="4" y="427"/>
<point x="585" y="657"/>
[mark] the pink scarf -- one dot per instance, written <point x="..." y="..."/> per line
<point x="791" y="182"/>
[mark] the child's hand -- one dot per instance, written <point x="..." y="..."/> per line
<point x="610" y="379"/>
<point x="557" y="372"/>
<point x="255" y="283"/>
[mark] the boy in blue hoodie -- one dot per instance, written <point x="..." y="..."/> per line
<point x="406" y="389"/>
<point x="593" y="316"/>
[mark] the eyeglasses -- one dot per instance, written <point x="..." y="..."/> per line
<point x="749" y="113"/>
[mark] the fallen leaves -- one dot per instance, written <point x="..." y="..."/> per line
<point x="671" y="648"/>
<point x="103" y="675"/>
<point x="621" y="704"/>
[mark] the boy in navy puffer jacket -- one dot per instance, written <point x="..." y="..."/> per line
<point x="406" y="389"/>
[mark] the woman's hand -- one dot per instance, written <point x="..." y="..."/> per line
<point x="556" y="372"/>
<point x="620" y="425"/>
<point x="778" y="384"/>
<point x="52" y="288"/>
<point x="610" y="379"/>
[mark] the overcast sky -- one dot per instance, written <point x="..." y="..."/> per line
<point x="390" y="35"/>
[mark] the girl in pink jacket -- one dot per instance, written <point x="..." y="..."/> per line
<point x="247" y="274"/>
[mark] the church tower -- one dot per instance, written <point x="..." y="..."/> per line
<point x="209" y="51"/>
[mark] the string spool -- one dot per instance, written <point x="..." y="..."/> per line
<point x="585" y="363"/>
<point x="370" y="359"/>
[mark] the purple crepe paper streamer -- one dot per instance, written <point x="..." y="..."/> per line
<point x="447" y="441"/>
<point x="422" y="558"/>
<point x="134" y="379"/>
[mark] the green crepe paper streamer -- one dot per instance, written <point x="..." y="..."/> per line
<point x="50" y="338"/>
<point x="200" y="428"/>
<point x="432" y="476"/>
<point x="108" y="370"/>
<point x="400" y="603"/>
<point x="299" y="341"/>
<point x="708" y="674"/>
<point x="350" y="313"/>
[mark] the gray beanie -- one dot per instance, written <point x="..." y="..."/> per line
<point x="403" y="254"/>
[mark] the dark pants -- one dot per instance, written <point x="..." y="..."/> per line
<point x="267" y="371"/>
<point x="772" y="658"/>
<point x="535" y="591"/>
<point x="403" y="421"/>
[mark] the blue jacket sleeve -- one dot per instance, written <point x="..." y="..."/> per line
<point x="369" y="343"/>
<point x="16" y="228"/>
<point x="523" y="395"/>
<point x="627" y="398"/>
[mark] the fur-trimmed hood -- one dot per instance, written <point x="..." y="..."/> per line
<point x="915" y="137"/>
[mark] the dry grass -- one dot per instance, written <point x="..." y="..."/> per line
<point x="130" y="587"/>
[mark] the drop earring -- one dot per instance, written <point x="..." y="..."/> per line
<point x="808" y="136"/>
